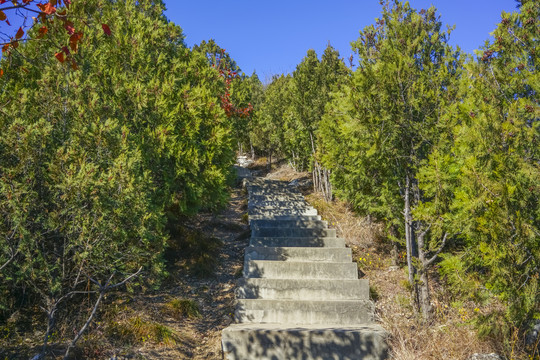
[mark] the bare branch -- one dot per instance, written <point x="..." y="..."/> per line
<point x="102" y="291"/>
<point x="124" y="281"/>
<point x="434" y="257"/>
<point x="9" y="260"/>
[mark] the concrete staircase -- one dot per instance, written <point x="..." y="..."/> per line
<point x="300" y="297"/>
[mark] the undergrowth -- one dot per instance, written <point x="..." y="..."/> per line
<point x="452" y="334"/>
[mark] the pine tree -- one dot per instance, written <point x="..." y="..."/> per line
<point x="380" y="130"/>
<point x="493" y="173"/>
<point x="95" y="160"/>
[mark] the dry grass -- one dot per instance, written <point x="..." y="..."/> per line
<point x="285" y="172"/>
<point x="358" y="231"/>
<point x="449" y="336"/>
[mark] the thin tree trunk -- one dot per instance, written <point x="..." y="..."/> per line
<point x="252" y="149"/>
<point x="410" y="241"/>
<point x="424" y="296"/>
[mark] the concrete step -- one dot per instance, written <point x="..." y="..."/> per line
<point x="292" y="232"/>
<point x="284" y="217"/>
<point x="275" y="197"/>
<point x="314" y="254"/>
<point x="309" y="312"/>
<point x="296" y="223"/>
<point x="300" y="270"/>
<point x="281" y="204"/>
<point x="271" y="189"/>
<point x="313" y="342"/>
<point x="297" y="242"/>
<point x="302" y="289"/>
<point x="281" y="212"/>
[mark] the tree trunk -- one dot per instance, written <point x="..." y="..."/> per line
<point x="424" y="297"/>
<point x="252" y="150"/>
<point x="410" y="241"/>
<point x="269" y="160"/>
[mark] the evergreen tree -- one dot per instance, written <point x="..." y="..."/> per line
<point x="492" y="171"/>
<point x="385" y="123"/>
<point x="95" y="160"/>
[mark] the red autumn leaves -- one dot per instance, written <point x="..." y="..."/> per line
<point x="48" y="14"/>
<point x="226" y="103"/>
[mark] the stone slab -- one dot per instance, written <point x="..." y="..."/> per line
<point x="297" y="242"/>
<point x="286" y="342"/>
<point x="314" y="254"/>
<point x="302" y="289"/>
<point x="300" y="270"/>
<point x="308" y="312"/>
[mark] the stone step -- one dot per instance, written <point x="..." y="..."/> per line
<point x="291" y="223"/>
<point x="280" y="212"/>
<point x="300" y="270"/>
<point x="313" y="342"/>
<point x="309" y="312"/>
<point x="271" y="189"/>
<point x="275" y="197"/>
<point x="314" y="254"/>
<point x="284" y="217"/>
<point x="297" y="242"/>
<point x="279" y="204"/>
<point x="292" y="232"/>
<point x="302" y="289"/>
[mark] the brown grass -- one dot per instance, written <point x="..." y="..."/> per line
<point x="449" y="336"/>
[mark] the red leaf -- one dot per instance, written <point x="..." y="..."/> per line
<point x="74" y="65"/>
<point x="65" y="49"/>
<point x="74" y="39"/>
<point x="69" y="28"/>
<point x="47" y="8"/>
<point x="7" y="22"/>
<point x="106" y="29"/>
<point x="67" y="2"/>
<point x="42" y="31"/>
<point x="19" y="33"/>
<point x="15" y="44"/>
<point x="52" y="2"/>
<point x="60" y="56"/>
<point x="1" y="72"/>
<point x="2" y="16"/>
<point x="5" y="47"/>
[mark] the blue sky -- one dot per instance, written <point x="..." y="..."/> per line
<point x="272" y="37"/>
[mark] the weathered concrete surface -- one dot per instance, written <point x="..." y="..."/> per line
<point x="314" y="254"/>
<point x="282" y="342"/>
<point x="297" y="242"/>
<point x="292" y="232"/>
<point x="300" y="297"/>
<point x="289" y="223"/>
<point x="311" y="312"/>
<point x="284" y="217"/>
<point x="300" y="270"/>
<point x="302" y="289"/>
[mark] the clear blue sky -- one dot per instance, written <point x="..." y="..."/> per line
<point x="272" y="37"/>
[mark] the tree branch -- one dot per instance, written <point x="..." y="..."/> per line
<point x="102" y="291"/>
<point x="434" y="257"/>
<point x="9" y="260"/>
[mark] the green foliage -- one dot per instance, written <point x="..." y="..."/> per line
<point x="94" y="162"/>
<point x="139" y="331"/>
<point x="493" y="175"/>
<point x="183" y="308"/>
<point x="268" y="135"/>
<point x="385" y="120"/>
